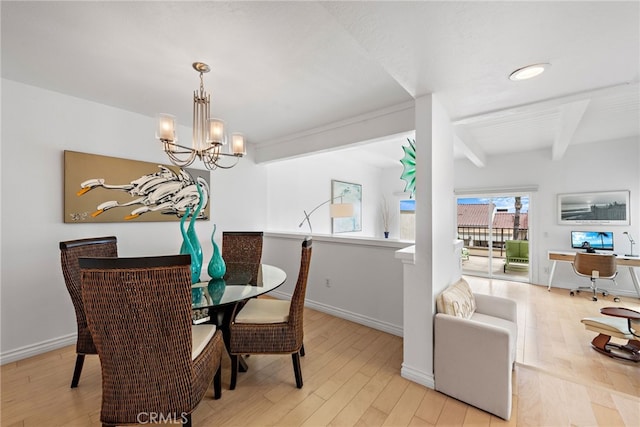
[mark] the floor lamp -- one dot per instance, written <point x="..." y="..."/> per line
<point x="336" y="210"/>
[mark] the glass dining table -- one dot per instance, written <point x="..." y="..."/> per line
<point x="214" y="301"/>
<point x="236" y="286"/>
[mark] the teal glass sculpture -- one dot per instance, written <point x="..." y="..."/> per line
<point x="187" y="248"/>
<point x="409" y="165"/>
<point x="191" y="231"/>
<point x="217" y="267"/>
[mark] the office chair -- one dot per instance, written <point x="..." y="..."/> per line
<point x="595" y="266"/>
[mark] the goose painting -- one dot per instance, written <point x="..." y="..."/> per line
<point x="109" y="189"/>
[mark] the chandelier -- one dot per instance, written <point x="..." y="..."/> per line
<point x="209" y="136"/>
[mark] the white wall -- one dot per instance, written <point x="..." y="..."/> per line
<point x="303" y="183"/>
<point x="357" y="279"/>
<point x="37" y="126"/>
<point x="606" y="166"/>
<point x="365" y="279"/>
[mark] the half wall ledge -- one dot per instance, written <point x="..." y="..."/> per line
<point x="343" y="240"/>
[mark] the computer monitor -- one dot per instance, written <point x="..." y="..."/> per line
<point x="595" y="240"/>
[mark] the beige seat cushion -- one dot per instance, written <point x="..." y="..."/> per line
<point x="200" y="337"/>
<point x="512" y="327"/>
<point x="457" y="300"/>
<point x="612" y="326"/>
<point x="264" y="311"/>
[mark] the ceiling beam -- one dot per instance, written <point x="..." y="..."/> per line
<point x="464" y="142"/>
<point x="570" y="116"/>
<point x="545" y="104"/>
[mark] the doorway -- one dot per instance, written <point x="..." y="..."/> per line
<point x="496" y="235"/>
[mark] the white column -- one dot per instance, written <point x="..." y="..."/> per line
<point x="436" y="265"/>
<point x="417" y="318"/>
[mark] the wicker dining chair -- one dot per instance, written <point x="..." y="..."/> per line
<point x="242" y="254"/>
<point x="154" y="362"/>
<point x="270" y="326"/>
<point x="70" y="251"/>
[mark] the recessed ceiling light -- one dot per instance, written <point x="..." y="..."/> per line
<point x="528" y="72"/>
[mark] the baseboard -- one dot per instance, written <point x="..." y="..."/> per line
<point x="38" y="348"/>
<point x="55" y="343"/>
<point x="347" y="315"/>
<point x="417" y="376"/>
<point x="631" y="293"/>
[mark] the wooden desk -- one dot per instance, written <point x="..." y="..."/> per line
<point x="569" y="256"/>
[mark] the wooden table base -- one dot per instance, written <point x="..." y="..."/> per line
<point x="629" y="351"/>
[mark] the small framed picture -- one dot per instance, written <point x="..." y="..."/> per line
<point x="347" y="192"/>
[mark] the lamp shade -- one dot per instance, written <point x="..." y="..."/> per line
<point x="341" y="210"/>
<point x="215" y="134"/>
<point x="166" y="130"/>
<point x="237" y="145"/>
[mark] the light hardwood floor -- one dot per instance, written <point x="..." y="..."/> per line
<point x="352" y="378"/>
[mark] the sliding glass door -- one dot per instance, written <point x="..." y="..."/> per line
<point x="495" y="231"/>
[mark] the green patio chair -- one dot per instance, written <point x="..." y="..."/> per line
<point x="517" y="255"/>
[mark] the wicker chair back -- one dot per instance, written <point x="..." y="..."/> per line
<point x="242" y="254"/>
<point x="139" y="313"/>
<point x="70" y="251"/>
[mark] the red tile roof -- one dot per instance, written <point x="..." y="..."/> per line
<point x="478" y="216"/>
<point x="505" y="220"/>
<point x="474" y="215"/>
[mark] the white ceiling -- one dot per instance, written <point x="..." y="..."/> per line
<point x="281" y="68"/>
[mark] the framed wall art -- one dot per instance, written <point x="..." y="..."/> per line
<point x="349" y="193"/>
<point x="109" y="189"/>
<point x="606" y="207"/>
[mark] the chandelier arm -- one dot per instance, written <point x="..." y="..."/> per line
<point x="212" y="163"/>
<point x="173" y="144"/>
<point x="180" y="161"/>
<point x="230" y="155"/>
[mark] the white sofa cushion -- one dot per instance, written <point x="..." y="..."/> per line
<point x="457" y="300"/>
<point x="264" y="311"/>
<point x="200" y="337"/>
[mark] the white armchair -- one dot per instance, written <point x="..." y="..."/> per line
<point x="475" y="348"/>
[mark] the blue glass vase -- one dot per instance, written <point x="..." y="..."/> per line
<point x="187" y="248"/>
<point x="217" y="267"/>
